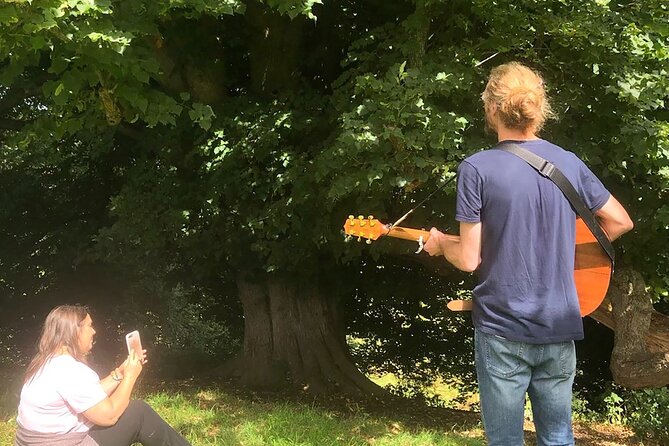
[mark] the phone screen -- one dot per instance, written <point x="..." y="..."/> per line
<point x="134" y="343"/>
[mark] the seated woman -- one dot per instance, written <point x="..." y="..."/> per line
<point x="65" y="403"/>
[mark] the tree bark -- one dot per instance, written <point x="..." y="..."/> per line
<point x="259" y="367"/>
<point x="420" y="31"/>
<point x="640" y="357"/>
<point x="292" y="337"/>
<point x="274" y="50"/>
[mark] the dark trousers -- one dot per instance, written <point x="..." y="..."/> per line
<point x="138" y="424"/>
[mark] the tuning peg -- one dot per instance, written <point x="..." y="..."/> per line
<point x="369" y="241"/>
<point x="347" y="238"/>
<point x="359" y="238"/>
<point x="361" y="220"/>
<point x="371" y="220"/>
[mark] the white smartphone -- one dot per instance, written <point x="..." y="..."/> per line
<point x="134" y="343"/>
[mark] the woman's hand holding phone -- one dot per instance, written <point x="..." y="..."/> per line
<point x="133" y="364"/>
<point x="134" y="343"/>
<point x="132" y="367"/>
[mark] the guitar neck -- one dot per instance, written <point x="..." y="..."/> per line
<point x="592" y="266"/>
<point x="415" y="234"/>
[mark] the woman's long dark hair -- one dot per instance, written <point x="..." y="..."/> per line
<point x="61" y="329"/>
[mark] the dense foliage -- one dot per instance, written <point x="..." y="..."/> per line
<point x="165" y="146"/>
<point x="648" y="414"/>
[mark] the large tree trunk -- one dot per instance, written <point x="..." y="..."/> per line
<point x="640" y="355"/>
<point x="291" y="332"/>
<point x="292" y="336"/>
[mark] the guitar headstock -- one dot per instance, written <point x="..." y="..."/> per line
<point x="361" y="227"/>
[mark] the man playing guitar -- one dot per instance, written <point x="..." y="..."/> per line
<point x="517" y="230"/>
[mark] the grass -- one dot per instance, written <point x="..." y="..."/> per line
<point x="7" y="427"/>
<point x="214" y="417"/>
<point x="222" y="416"/>
<point x="439" y="391"/>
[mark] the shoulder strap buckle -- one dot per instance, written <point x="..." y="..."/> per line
<point x="547" y="169"/>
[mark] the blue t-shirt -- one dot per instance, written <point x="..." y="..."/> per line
<point x="525" y="288"/>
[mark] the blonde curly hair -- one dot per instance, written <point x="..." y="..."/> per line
<point x="515" y="93"/>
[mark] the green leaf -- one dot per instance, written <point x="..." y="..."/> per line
<point x="8" y="15"/>
<point x="203" y="114"/>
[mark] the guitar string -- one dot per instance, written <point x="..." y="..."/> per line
<point x="403" y="217"/>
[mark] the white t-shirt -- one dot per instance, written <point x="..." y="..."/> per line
<point x="53" y="400"/>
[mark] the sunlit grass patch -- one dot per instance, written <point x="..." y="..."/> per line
<point x="444" y="393"/>
<point x="212" y="417"/>
<point x="7" y="429"/>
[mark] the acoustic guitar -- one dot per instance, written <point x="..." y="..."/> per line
<point x="592" y="267"/>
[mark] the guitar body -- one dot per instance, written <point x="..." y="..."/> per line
<point x="592" y="270"/>
<point x="592" y="266"/>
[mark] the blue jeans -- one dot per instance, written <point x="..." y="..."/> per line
<point x="508" y="370"/>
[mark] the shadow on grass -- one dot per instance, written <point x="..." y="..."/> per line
<point x="279" y="423"/>
<point x="11" y="379"/>
<point x="227" y="415"/>
<point x="223" y="415"/>
<point x="220" y="414"/>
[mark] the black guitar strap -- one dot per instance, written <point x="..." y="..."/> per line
<point x="548" y="170"/>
